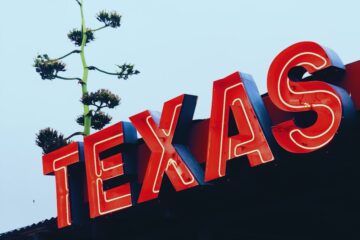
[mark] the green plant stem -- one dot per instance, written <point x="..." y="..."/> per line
<point x="87" y="118"/>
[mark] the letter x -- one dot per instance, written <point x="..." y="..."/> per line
<point x="167" y="156"/>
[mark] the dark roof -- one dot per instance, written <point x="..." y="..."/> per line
<point x="41" y="227"/>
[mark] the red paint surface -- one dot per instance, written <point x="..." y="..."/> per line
<point x="293" y="96"/>
<point x="98" y="170"/>
<point x="351" y="82"/>
<point x="56" y="163"/>
<point x="163" y="158"/>
<point x="229" y="95"/>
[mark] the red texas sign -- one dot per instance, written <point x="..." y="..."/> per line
<point x="171" y="146"/>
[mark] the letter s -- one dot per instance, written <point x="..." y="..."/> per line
<point x="291" y="93"/>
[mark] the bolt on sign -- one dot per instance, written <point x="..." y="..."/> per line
<point x="135" y="168"/>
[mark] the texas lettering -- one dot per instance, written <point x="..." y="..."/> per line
<point x="136" y="167"/>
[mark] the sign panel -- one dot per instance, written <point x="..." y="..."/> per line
<point x="306" y="114"/>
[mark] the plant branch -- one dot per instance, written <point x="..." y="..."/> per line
<point x="66" y="55"/>
<point x="78" y="2"/>
<point x="95" y="68"/>
<point x="74" y="134"/>
<point x="66" y="78"/>
<point x="97" y="29"/>
<point x="99" y="107"/>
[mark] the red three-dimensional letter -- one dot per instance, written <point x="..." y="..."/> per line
<point x="290" y="94"/>
<point x="99" y="170"/>
<point x="57" y="162"/>
<point x="164" y="156"/>
<point x="231" y="93"/>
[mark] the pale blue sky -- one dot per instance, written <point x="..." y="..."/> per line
<point x="179" y="47"/>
